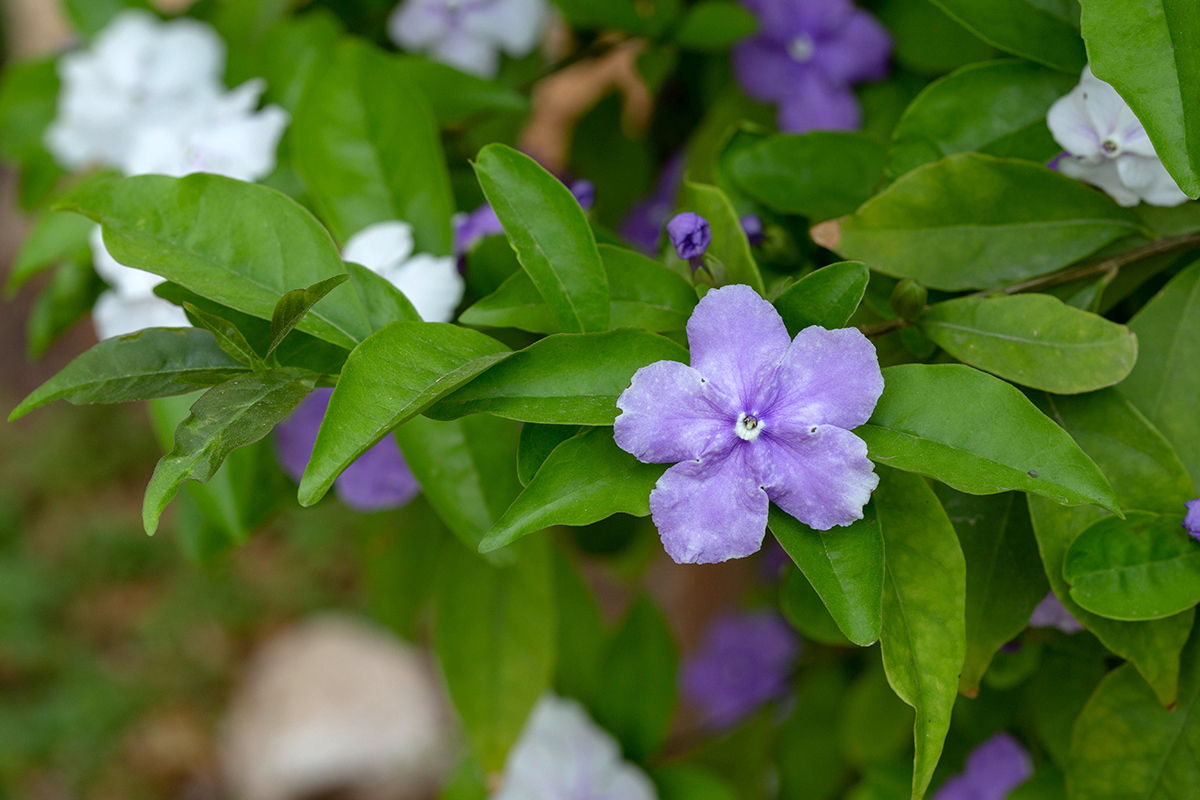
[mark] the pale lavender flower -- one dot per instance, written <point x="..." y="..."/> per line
<point x="469" y="34"/>
<point x="745" y="661"/>
<point x="805" y="58"/>
<point x="378" y="480"/>
<point x="643" y="225"/>
<point x="1191" y="522"/>
<point x="1051" y="613"/>
<point x="755" y="418"/>
<point x="993" y="769"/>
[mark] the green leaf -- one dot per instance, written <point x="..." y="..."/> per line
<point x="536" y="444"/>
<point x="924" y="629"/>
<point x="68" y="297"/>
<point x="997" y="107"/>
<point x="1004" y="574"/>
<point x="972" y="221"/>
<point x="382" y="302"/>
<point x="1165" y="382"/>
<point x="1060" y="689"/>
<point x="1127" y="745"/>
<point x="714" y="26"/>
<point x="874" y="724"/>
<point x="1142" y="567"/>
<point x="1147" y="49"/>
<point x="819" y="175"/>
<point x="928" y="42"/>
<point x="826" y="297"/>
<point x="1039" y="30"/>
<point x="637" y="689"/>
<point x="805" y="609"/>
<point x="690" y="782"/>
<point x="729" y="245"/>
<point x="155" y="362"/>
<point x="644" y="295"/>
<point x="586" y="479"/>
<point x="90" y="16"/>
<point x="1035" y="340"/>
<point x="495" y="640"/>
<point x="979" y="435"/>
<point x="28" y="104"/>
<point x="548" y="229"/>
<point x="229" y="338"/>
<point x="581" y="635"/>
<point x="292" y="51"/>
<point x="565" y="379"/>
<point x="388" y="379"/>
<point x="458" y="98"/>
<point x="292" y="307"/>
<point x="366" y="144"/>
<point x="844" y="565"/>
<point x="240" y="244"/>
<point x="810" y="764"/>
<point x="239" y="412"/>
<point x="56" y="236"/>
<point x="398" y="548"/>
<point x="1147" y="475"/>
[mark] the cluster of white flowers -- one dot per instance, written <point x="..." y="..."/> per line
<point x="469" y="34"/>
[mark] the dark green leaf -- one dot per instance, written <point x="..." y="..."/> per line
<point x="581" y="635"/>
<point x="229" y="338"/>
<point x="398" y="549"/>
<point x="689" y="782"/>
<point x="90" y="16"/>
<point x="1040" y="31"/>
<point x="811" y="766"/>
<point x="714" y="25"/>
<point x="292" y="307"/>
<point x="826" y="297"/>
<point x="875" y="725"/>
<point x="927" y="42"/>
<point x="67" y="298"/>
<point x="1035" y="340"/>
<point x="1059" y="690"/>
<point x="729" y="245"/>
<point x="458" y="98"/>
<point x="57" y="236"/>
<point x="291" y="53"/>
<point x="536" y="444"/>
<point x="805" y="609"/>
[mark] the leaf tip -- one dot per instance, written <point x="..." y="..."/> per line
<point x="827" y="234"/>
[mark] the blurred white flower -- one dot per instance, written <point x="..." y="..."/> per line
<point x="431" y="283"/>
<point x="469" y="34"/>
<point x="130" y="304"/>
<point x="1108" y="147"/>
<point x="563" y="755"/>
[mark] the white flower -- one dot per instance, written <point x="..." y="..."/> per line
<point x="138" y="71"/>
<point x="431" y="283"/>
<point x="469" y="34"/>
<point x="130" y="304"/>
<point x="563" y="755"/>
<point x="1108" y="147"/>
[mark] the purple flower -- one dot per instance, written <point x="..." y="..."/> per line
<point x="805" y="58"/>
<point x="1191" y="522"/>
<point x="690" y="235"/>
<point x="1051" y="613"/>
<point x="378" y="480"/>
<point x="993" y="769"/>
<point x="643" y="225"/>
<point x="752" y="226"/>
<point x="756" y="417"/>
<point x="745" y="661"/>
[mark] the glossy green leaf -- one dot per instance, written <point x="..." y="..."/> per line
<point x="388" y="379"/>
<point x="566" y="379"/>
<point x="818" y="175"/>
<point x="979" y="435"/>
<point x="586" y="479"/>
<point x="152" y="363"/>
<point x="495" y="641"/>
<point x="1035" y="340"/>
<point x="997" y="107"/>
<point x="536" y="444"/>
<point x="1146" y="474"/>
<point x="844" y="565"/>
<point x="56" y="236"/>
<point x="292" y="307"/>
<point x="1142" y="567"/>
<point x="382" y="302"/>
<point x="366" y="144"/>
<point x="924" y="630"/>
<point x="229" y="338"/>
<point x="714" y="25"/>
<point x="1165" y="382"/>
<point x="1148" y="51"/>
<point x="238" y="412"/>
<point x="972" y="221"/>
<point x="548" y="229"/>
<point x="729" y="245"/>
<point x="1004" y="574"/>
<point x="240" y="244"/>
<point x="68" y="297"/>
<point x="804" y="608"/>
<point x="457" y="97"/>
<point x="826" y="297"/>
<point x="1039" y="30"/>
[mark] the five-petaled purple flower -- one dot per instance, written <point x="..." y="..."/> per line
<point x="746" y="660"/>
<point x="1191" y="522"/>
<point x="993" y="769"/>
<point x="378" y="480"/>
<point x="806" y="57"/>
<point x="755" y="418"/>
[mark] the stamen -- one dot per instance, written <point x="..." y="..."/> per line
<point x="1110" y="146"/>
<point x="748" y="427"/>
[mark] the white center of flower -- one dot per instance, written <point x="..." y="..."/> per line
<point x="1111" y="147"/>
<point x="748" y="427"/>
<point x="801" y="49"/>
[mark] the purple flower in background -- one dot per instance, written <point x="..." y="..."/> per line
<point x="470" y="229"/>
<point x="806" y="57"/>
<point x="755" y="418"/>
<point x="643" y="225"/>
<point x="1051" y="613"/>
<point x="745" y="661"/>
<point x="378" y="480"/>
<point x="1191" y="522"/>
<point x="752" y="226"/>
<point x="993" y="769"/>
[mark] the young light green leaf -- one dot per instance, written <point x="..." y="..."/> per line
<point x="844" y="565"/>
<point x="586" y="479"/>
<point x="1039" y="31"/>
<point x="551" y="235"/>
<point x="924" y="607"/>
<point x="1035" y="340"/>
<point x="972" y="221"/>
<point x="229" y="338"/>
<point x="56" y="236"/>
<point x="729" y="245"/>
<point x="826" y="297"/>
<point x="238" y="412"/>
<point x="536" y="444"/>
<point x="714" y="26"/>
<point x="979" y="435"/>
<point x="155" y="362"/>
<point x="565" y="379"/>
<point x="388" y="379"/>
<point x="292" y="307"/>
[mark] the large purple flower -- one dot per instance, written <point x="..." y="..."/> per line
<point x="746" y="660"/>
<point x="806" y="56"/>
<point x="756" y="417"/>
<point x="378" y="480"/>
<point x="993" y="769"/>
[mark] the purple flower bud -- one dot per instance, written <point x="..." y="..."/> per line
<point x="1191" y="522"/>
<point x="753" y="227"/>
<point x="690" y="236"/>
<point x="585" y="193"/>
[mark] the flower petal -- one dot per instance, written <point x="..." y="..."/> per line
<point x="816" y="103"/>
<point x="515" y="25"/>
<point x="379" y="246"/>
<point x="1149" y="179"/>
<point x="710" y="510"/>
<point x="763" y="69"/>
<point x="860" y="51"/>
<point x="419" y="24"/>
<point x="736" y="339"/>
<point x="1102" y="174"/>
<point x="821" y="478"/>
<point x="826" y="378"/>
<point x="1072" y="126"/>
<point x="378" y="480"/>
<point x="670" y="412"/>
